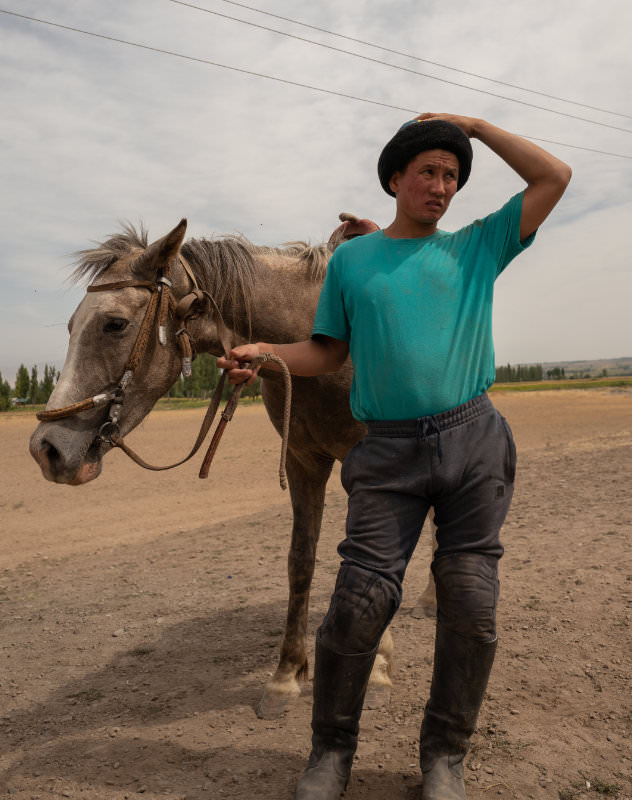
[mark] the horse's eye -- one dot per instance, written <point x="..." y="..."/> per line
<point x="115" y="325"/>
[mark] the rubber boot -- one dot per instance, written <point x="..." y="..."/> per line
<point x="461" y="671"/>
<point x="340" y="683"/>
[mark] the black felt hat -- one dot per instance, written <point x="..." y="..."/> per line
<point x="418" y="135"/>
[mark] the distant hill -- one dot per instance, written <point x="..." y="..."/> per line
<point x="594" y="368"/>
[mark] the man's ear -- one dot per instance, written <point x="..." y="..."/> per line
<point x="393" y="184"/>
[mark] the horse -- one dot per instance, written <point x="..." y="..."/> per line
<point x="214" y="293"/>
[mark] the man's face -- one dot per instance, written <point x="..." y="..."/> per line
<point x="426" y="186"/>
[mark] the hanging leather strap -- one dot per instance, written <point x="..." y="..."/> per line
<point x="204" y="429"/>
<point x="225" y="418"/>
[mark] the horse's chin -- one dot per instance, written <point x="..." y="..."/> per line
<point x="88" y="471"/>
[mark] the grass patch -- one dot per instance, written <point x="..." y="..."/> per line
<point x="596" y="785"/>
<point x="173" y="403"/>
<point x="548" y="386"/>
<point x="164" y="404"/>
<point x="601" y="787"/>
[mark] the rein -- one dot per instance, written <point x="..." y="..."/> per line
<point x="161" y="304"/>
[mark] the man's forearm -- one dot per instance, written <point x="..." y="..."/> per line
<point x="532" y="163"/>
<point x="547" y="177"/>
<point x="308" y="358"/>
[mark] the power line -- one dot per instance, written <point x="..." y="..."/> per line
<point x="424" y="60"/>
<point x="573" y="146"/>
<point x="400" y="68"/>
<point x="403" y="69"/>
<point x="269" y="77"/>
<point x="210" y="63"/>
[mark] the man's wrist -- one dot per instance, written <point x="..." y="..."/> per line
<point x="263" y="347"/>
<point x="477" y="129"/>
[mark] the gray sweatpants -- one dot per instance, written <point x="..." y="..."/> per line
<point x="462" y="463"/>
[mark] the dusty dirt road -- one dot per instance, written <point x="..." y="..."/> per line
<point x="141" y="614"/>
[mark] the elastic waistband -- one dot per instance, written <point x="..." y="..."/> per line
<point x="475" y="407"/>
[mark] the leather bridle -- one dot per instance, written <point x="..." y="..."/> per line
<point x="161" y="304"/>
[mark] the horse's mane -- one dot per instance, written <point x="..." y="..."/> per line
<point x="90" y="263"/>
<point x="221" y="264"/>
<point x="224" y="266"/>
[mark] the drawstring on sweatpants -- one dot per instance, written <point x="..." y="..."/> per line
<point x="427" y="426"/>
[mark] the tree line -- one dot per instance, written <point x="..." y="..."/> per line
<point x="204" y="379"/>
<point x="535" y="372"/>
<point x="30" y="388"/>
<point x="509" y="374"/>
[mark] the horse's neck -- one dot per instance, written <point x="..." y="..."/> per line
<point x="283" y="307"/>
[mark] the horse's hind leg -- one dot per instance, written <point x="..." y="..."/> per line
<point x="378" y="693"/>
<point x="307" y="479"/>
<point x="427" y="603"/>
<point x="379" y="690"/>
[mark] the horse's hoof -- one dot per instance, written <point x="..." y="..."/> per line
<point x="377" y="696"/>
<point x="424" y="611"/>
<point x="274" y="704"/>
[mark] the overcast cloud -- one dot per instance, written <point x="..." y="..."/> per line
<point x="93" y="132"/>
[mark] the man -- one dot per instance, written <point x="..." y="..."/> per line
<point x="412" y="305"/>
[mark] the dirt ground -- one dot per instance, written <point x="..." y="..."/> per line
<point x="141" y="614"/>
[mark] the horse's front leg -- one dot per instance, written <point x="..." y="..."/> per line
<point x="307" y="479"/>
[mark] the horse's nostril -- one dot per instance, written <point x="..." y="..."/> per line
<point x="50" y="453"/>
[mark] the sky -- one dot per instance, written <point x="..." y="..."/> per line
<point x="93" y="132"/>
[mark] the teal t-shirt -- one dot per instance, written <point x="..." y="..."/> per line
<point x="417" y="314"/>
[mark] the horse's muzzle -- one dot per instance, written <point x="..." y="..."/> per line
<point x="62" y="458"/>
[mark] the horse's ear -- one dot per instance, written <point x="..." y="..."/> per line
<point x="161" y="252"/>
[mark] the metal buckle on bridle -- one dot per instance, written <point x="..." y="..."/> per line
<point x="162" y="330"/>
<point x="187" y="360"/>
<point x="109" y="432"/>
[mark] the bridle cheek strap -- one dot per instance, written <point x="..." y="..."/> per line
<point x="160" y="303"/>
<point x="138" y="350"/>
